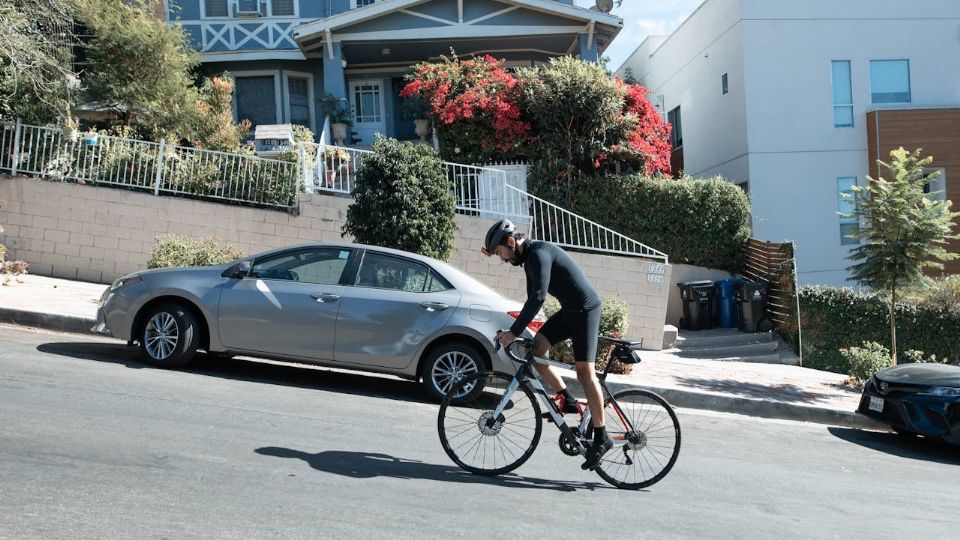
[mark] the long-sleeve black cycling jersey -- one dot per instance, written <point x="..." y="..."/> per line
<point x="551" y="270"/>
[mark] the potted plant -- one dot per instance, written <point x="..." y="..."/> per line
<point x="90" y="138"/>
<point x="69" y="128"/>
<point x="334" y="160"/>
<point x="415" y="108"/>
<point x="339" y="122"/>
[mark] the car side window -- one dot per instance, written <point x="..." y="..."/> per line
<point x="386" y="272"/>
<point x="323" y="266"/>
<point x="437" y="283"/>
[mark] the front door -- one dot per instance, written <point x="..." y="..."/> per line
<point x="395" y="304"/>
<point x="366" y="99"/>
<point x="287" y="305"/>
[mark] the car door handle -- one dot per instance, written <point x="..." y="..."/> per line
<point x="434" y="306"/>
<point x="325" y="297"/>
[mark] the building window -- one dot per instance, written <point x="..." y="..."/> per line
<point x="845" y="208"/>
<point x="256" y="99"/>
<point x="215" y="8"/>
<point x="842" y="94"/>
<point x="361" y="3"/>
<point x="936" y="183"/>
<point x="890" y="81"/>
<point x="723" y="84"/>
<point x="367" y="102"/>
<point x="282" y="8"/>
<point x="298" y="100"/>
<point x="676" y="134"/>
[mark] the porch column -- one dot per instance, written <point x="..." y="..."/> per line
<point x="588" y="48"/>
<point x="333" y="78"/>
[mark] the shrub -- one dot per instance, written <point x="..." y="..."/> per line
<point x="403" y="200"/>
<point x="13" y="270"/>
<point x="940" y="293"/>
<point x="836" y="318"/>
<point x="698" y="222"/>
<point x="175" y="250"/>
<point x="614" y="320"/>
<point x="866" y="360"/>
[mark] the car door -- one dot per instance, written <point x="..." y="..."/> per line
<point x="287" y="304"/>
<point x="394" y="304"/>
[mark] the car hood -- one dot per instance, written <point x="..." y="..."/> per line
<point x="927" y="374"/>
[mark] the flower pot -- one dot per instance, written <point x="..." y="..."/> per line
<point x="422" y="128"/>
<point x="90" y="139"/>
<point x="331" y="178"/>
<point x="339" y="132"/>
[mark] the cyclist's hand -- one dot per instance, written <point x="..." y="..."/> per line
<point x="506" y="338"/>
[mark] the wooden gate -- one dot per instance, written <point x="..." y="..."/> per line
<point x="774" y="264"/>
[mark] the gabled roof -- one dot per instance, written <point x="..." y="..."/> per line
<point x="576" y="16"/>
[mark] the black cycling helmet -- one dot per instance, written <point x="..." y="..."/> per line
<point x="496" y="234"/>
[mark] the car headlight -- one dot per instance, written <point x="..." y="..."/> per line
<point x="943" y="391"/>
<point x="124" y="281"/>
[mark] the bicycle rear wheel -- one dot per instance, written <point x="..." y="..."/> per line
<point x="475" y="440"/>
<point x="647" y="434"/>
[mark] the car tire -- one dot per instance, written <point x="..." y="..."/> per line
<point x="169" y="336"/>
<point x="447" y="364"/>
<point x="904" y="433"/>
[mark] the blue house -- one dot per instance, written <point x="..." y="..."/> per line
<point x="285" y="54"/>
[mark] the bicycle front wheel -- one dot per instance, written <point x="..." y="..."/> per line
<point x="475" y="439"/>
<point x="646" y="434"/>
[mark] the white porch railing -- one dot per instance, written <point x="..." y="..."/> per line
<point x="564" y="228"/>
<point x="149" y="166"/>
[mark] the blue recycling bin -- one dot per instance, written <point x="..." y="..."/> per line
<point x="726" y="302"/>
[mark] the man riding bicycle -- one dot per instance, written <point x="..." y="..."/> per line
<point x="549" y="269"/>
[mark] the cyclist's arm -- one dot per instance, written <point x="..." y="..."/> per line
<point x="537" y="267"/>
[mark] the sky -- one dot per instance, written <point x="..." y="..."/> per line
<point x="642" y="18"/>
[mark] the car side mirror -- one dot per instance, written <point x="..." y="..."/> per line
<point x="238" y="271"/>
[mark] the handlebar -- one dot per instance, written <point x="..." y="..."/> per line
<point x="522" y="341"/>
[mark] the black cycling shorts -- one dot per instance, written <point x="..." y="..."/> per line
<point x="581" y="327"/>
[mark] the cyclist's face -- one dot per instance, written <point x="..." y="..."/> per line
<point x="508" y="253"/>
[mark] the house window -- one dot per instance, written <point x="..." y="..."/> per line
<point x="360" y="3"/>
<point x="723" y="84"/>
<point x="845" y="208"/>
<point x="367" y="103"/>
<point x="215" y="8"/>
<point x="298" y="94"/>
<point x="842" y="94"/>
<point x="676" y="134"/>
<point x="890" y="81"/>
<point x="282" y="8"/>
<point x="256" y="99"/>
<point x="936" y="183"/>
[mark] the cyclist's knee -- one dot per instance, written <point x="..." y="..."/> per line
<point x="585" y="372"/>
<point x="543" y="346"/>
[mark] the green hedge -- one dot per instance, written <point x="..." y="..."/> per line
<point x="698" y="222"/>
<point x="173" y="251"/>
<point x="835" y="318"/>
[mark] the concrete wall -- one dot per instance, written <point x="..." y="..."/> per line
<point x="99" y="234"/>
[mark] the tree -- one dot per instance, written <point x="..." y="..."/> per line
<point x="36" y="41"/>
<point x="403" y="200"/>
<point x="213" y="126"/>
<point x="905" y="231"/>
<point x="142" y="64"/>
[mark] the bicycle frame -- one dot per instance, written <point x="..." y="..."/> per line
<point x="526" y="374"/>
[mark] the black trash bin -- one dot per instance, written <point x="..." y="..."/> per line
<point x="697" y="298"/>
<point x="751" y="303"/>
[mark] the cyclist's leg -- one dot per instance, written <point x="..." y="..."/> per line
<point x="585" y="328"/>
<point x="553" y="331"/>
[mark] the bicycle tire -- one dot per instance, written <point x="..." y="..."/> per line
<point x="654" y="442"/>
<point x="489" y="450"/>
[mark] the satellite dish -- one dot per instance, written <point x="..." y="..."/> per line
<point x="604" y="6"/>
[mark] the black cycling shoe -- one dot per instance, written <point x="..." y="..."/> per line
<point x="595" y="452"/>
<point x="569" y="407"/>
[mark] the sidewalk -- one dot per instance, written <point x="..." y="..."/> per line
<point x="766" y="390"/>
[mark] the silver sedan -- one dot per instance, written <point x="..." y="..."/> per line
<point x="343" y="305"/>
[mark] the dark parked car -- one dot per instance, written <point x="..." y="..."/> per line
<point x="916" y="399"/>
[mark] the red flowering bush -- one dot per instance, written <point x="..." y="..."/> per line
<point x="647" y="137"/>
<point x="473" y="106"/>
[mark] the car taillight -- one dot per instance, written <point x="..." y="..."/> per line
<point x="533" y="325"/>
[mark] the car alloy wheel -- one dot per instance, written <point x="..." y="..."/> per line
<point x="161" y="335"/>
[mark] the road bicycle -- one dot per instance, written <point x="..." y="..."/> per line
<point x="490" y="422"/>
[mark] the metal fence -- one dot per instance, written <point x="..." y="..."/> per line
<point x="149" y="166"/>
<point x="554" y="224"/>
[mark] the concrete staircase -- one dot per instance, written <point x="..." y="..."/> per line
<point x="731" y="345"/>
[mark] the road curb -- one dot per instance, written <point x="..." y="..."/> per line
<point x="49" y="321"/>
<point x="694" y="399"/>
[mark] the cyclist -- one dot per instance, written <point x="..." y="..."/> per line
<point x="549" y="269"/>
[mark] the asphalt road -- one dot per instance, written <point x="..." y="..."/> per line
<point x="94" y="444"/>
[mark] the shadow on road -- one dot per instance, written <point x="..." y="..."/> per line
<point x="371" y="465"/>
<point x="783" y="392"/>
<point x="253" y="370"/>
<point x="919" y="448"/>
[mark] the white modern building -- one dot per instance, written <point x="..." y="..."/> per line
<point x="793" y="101"/>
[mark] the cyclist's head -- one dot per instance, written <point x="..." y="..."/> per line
<point x="501" y="240"/>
